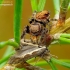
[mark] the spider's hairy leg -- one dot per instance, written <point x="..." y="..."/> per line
<point x="42" y="40"/>
<point x="26" y="30"/>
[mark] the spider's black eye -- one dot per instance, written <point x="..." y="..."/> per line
<point x="31" y="20"/>
<point x="41" y="22"/>
<point x="47" y="14"/>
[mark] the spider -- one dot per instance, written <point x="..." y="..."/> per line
<point x="37" y="30"/>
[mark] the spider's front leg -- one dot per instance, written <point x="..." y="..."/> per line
<point x="42" y="40"/>
<point x="26" y="30"/>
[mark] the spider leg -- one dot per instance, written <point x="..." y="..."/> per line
<point x="42" y="40"/>
<point x="26" y="30"/>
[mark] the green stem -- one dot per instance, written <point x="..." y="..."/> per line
<point x="69" y="6"/>
<point x="64" y="4"/>
<point x="65" y="35"/>
<point x="52" y="65"/>
<point x="41" y="5"/>
<point x="6" y="58"/>
<point x="1" y="1"/>
<point x="2" y="64"/>
<point x="17" y="20"/>
<point x="9" y="42"/>
<point x="43" y="63"/>
<point x="19" y="69"/>
<point x="9" y="50"/>
<point x="65" y="60"/>
<point x="56" y="4"/>
<point x="34" y="5"/>
<point x="61" y="62"/>
<point x="40" y="63"/>
<point x="64" y="40"/>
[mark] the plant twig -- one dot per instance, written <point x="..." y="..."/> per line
<point x="62" y="29"/>
<point x="63" y="12"/>
<point x="69" y="6"/>
<point x="9" y="50"/>
<point x="17" y="20"/>
<point x="65" y="35"/>
<point x="41" y="5"/>
<point x="9" y="42"/>
<point x="6" y="58"/>
<point x="34" y="5"/>
<point x="56" y="4"/>
<point x="61" y="62"/>
<point x="1" y="1"/>
<point x="52" y="65"/>
<point x="64" y="40"/>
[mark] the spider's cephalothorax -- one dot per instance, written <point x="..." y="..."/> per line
<point x="42" y="17"/>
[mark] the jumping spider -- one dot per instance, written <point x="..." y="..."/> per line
<point x="39" y="34"/>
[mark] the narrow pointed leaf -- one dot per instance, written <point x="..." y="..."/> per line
<point x="41" y="5"/>
<point x="17" y="20"/>
<point x="1" y="1"/>
<point x="6" y="58"/>
<point x="67" y="65"/>
<point x="52" y="65"/>
<point x="56" y="4"/>
<point x="34" y="5"/>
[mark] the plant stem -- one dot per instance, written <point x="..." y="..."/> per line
<point x="9" y="50"/>
<point x="6" y="58"/>
<point x="17" y="20"/>
<point x="38" y="7"/>
<point x="1" y="1"/>
<point x="69" y="6"/>
<point x="64" y="40"/>
<point x="2" y="64"/>
<point x="52" y="65"/>
<point x="43" y="63"/>
<point x="9" y="42"/>
<point x="65" y="35"/>
<point x="41" y="5"/>
<point x="63" y="12"/>
<point x="64" y="4"/>
<point x="56" y="4"/>
<point x="62" y="29"/>
<point x="34" y="5"/>
<point x="61" y="62"/>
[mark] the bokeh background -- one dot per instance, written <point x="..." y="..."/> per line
<point x="6" y="26"/>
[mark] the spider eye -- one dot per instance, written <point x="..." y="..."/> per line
<point x="47" y="14"/>
<point x="31" y="21"/>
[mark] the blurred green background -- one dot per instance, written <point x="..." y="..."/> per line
<point x="6" y="26"/>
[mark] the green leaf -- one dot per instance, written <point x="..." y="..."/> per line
<point x="17" y="20"/>
<point x="19" y="69"/>
<point x="65" y="35"/>
<point x="64" y="40"/>
<point x="9" y="50"/>
<point x="1" y="1"/>
<point x="34" y="5"/>
<point x="56" y="4"/>
<point x="2" y="44"/>
<point x="61" y="62"/>
<point x="2" y="64"/>
<point x="69" y="6"/>
<point x="7" y="57"/>
<point x="9" y="42"/>
<point x="41" y="5"/>
<point x="64" y="4"/>
<point x="52" y="65"/>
